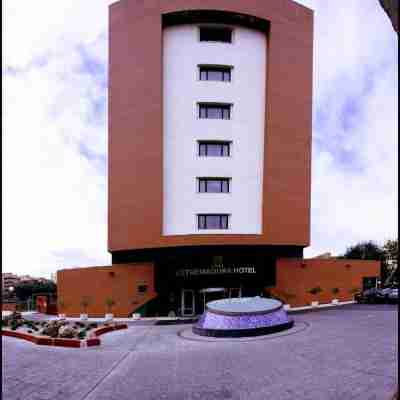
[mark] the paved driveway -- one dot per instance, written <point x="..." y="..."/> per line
<point x="342" y="354"/>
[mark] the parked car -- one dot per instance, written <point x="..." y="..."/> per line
<point x="383" y="295"/>
<point x="367" y="296"/>
<point x="373" y="295"/>
<point x="393" y="296"/>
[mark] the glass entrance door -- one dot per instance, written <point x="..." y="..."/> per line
<point x="235" y="292"/>
<point x="188" y="303"/>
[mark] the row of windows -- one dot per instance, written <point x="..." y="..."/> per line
<point x="214" y="111"/>
<point x="213" y="221"/>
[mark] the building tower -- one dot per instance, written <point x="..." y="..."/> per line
<point x="210" y="109"/>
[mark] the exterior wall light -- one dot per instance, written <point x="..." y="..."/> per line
<point x="303" y="265"/>
<point x="111" y="273"/>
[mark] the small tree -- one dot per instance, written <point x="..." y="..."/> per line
<point x="85" y="303"/>
<point x="314" y="291"/>
<point x="354" y="290"/>
<point x="110" y="303"/>
<point x="61" y="303"/>
<point x="335" y="291"/>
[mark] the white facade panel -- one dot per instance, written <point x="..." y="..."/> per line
<point x="182" y="129"/>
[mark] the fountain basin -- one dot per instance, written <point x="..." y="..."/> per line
<point x="240" y="317"/>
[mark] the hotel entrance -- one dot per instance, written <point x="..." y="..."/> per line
<point x="193" y="302"/>
<point x="185" y="283"/>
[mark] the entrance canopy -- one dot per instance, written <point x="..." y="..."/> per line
<point x="211" y="290"/>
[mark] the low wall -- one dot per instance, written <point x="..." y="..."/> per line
<point x="120" y="282"/>
<point x="8" y="306"/>
<point x="296" y="277"/>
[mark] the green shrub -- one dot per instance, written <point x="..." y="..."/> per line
<point x="315" y="290"/>
<point x="82" y="334"/>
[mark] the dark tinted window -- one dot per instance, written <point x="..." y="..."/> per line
<point x="212" y="221"/>
<point x="214" y="149"/>
<point x="215" y="34"/>
<point x="142" y="288"/>
<point x="214" y="111"/>
<point x="213" y="185"/>
<point x="208" y="73"/>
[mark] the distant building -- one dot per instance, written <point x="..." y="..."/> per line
<point x="8" y="280"/>
<point x="324" y="256"/>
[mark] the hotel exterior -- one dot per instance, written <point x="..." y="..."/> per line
<point x="210" y="120"/>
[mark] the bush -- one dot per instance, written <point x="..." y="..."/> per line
<point x="93" y="325"/>
<point x="315" y="290"/>
<point x="82" y="334"/>
<point x="29" y="331"/>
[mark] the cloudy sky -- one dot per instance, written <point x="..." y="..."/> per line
<point x="55" y="137"/>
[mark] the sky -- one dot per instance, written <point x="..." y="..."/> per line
<point x="55" y="131"/>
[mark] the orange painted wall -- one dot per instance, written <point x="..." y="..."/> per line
<point x="8" y="306"/>
<point x="120" y="282"/>
<point x="295" y="277"/>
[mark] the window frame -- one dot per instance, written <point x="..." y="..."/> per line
<point x="222" y="217"/>
<point x="206" y="68"/>
<point x="216" y="28"/>
<point x="222" y="106"/>
<point x="224" y="144"/>
<point x="221" y="181"/>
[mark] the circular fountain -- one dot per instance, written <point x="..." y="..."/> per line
<point x="243" y="316"/>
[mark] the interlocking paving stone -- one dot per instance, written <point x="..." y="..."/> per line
<point x="347" y="353"/>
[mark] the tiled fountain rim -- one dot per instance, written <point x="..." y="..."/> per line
<point x="269" y="306"/>
<point x="298" y="327"/>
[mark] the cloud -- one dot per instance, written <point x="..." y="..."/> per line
<point x="55" y="135"/>
<point x="354" y="164"/>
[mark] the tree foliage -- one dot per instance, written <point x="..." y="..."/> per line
<point x="371" y="251"/>
<point x="24" y="290"/>
<point x="365" y="251"/>
<point x="391" y="249"/>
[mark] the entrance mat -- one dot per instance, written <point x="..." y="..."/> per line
<point x="177" y="321"/>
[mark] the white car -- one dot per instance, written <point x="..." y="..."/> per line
<point x="393" y="295"/>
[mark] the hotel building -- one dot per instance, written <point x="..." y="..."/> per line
<point x="210" y="121"/>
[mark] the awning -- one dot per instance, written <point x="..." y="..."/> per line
<point x="212" y="290"/>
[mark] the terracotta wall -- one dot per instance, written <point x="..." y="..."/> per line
<point x="136" y="130"/>
<point x="295" y="277"/>
<point x="120" y="282"/>
<point x="8" y="306"/>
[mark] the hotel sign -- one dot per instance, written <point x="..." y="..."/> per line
<point x="216" y="270"/>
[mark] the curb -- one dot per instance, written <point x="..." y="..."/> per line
<point x="105" y="329"/>
<point x="61" y="342"/>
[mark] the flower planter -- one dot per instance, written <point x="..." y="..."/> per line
<point x="109" y="317"/>
<point x="335" y="301"/>
<point x="286" y="306"/>
<point x="314" y="304"/>
<point x="84" y="317"/>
